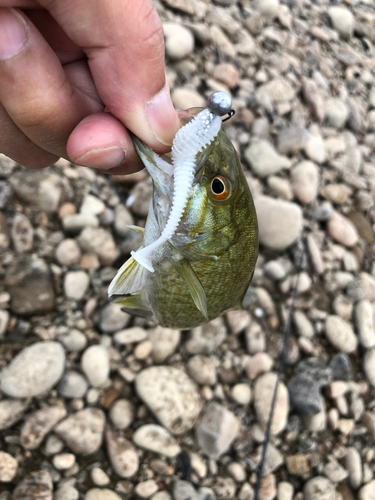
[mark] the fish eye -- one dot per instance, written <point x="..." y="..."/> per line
<point x="220" y="188"/>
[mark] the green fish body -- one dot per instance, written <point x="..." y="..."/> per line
<point x="206" y="267"/>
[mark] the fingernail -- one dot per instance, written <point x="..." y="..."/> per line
<point x="162" y="117"/>
<point x="102" y="159"/>
<point x="13" y="34"/>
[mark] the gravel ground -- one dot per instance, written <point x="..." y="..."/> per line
<point x="98" y="405"/>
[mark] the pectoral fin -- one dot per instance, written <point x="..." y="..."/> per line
<point x="133" y="304"/>
<point x="196" y="289"/>
<point x="129" y="279"/>
<point x="137" y="229"/>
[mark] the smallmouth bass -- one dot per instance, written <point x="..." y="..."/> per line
<point x="201" y="235"/>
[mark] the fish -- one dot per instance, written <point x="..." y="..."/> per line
<point x="204" y="265"/>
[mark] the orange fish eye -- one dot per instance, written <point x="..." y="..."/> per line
<point x="220" y="188"/>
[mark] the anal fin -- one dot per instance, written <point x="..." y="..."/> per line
<point x="129" y="279"/>
<point x="196" y="289"/>
<point x="133" y="304"/>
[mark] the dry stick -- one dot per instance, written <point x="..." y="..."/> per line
<point x="287" y="330"/>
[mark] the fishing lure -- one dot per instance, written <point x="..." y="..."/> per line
<point x="200" y="242"/>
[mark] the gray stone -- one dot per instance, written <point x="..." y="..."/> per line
<point x="5" y="193"/>
<point x="68" y="252"/>
<point x="340" y="334"/>
<point x="280" y="222"/>
<point x="184" y="490"/>
<point x="122" y="454"/>
<point x="36" y="485"/>
<point x="11" y="411"/>
<point x="74" y="340"/>
<point x="83" y="431"/>
<point x="206" y="339"/>
<point x="202" y="370"/>
<point x="336" y="112"/>
<point x="305" y="396"/>
<point x="273" y="459"/>
<point x="216" y="429"/>
<point x="112" y="318"/>
<point x="164" y="342"/>
<point x="316" y="369"/>
<point x="340" y="367"/>
<point x="157" y="439"/>
<point x="100" y="242"/>
<point x="146" y="489"/>
<point x="76" y="284"/>
<point x="95" y="365"/>
<point x="123" y="219"/>
<point x="159" y="386"/>
<point x="277" y="90"/>
<point x="263" y="159"/>
<point x="72" y="385"/>
<point x="122" y="413"/>
<point x="313" y="99"/>
<point x="73" y="224"/>
<point x="39" y="424"/>
<point x="22" y="234"/>
<point x="319" y="488"/>
<point x="34" y="370"/>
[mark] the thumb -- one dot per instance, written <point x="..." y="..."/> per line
<point x="124" y="43"/>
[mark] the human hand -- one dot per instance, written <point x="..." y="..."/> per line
<point x="75" y="76"/>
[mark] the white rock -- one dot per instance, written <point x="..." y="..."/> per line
<point x="112" y="318"/>
<point x="4" y="320"/>
<point x="99" y="477"/>
<point x="369" y="366"/>
<point x="185" y="98"/>
<point x="216" y="429"/>
<point x="336" y="112"/>
<point x="146" y="488"/>
<point x="202" y="370"/>
<point x="353" y="465"/>
<point x="95" y="364"/>
<point x="342" y="20"/>
<point x="73" y="224"/>
<point x="263" y="396"/>
<point x="241" y="394"/>
<point x="72" y="385"/>
<point x="76" y="284"/>
<point x="131" y="335"/>
<point x="285" y="490"/>
<point x="122" y="454"/>
<point x="263" y="158"/>
<point x="367" y="492"/>
<point x="91" y="205"/>
<point x="122" y="413"/>
<point x="34" y="370"/>
<point x="340" y="334"/>
<point x="364" y="320"/>
<point x="179" y="41"/>
<point x="280" y="222"/>
<point x="83" y="431"/>
<point x="11" y="411"/>
<point x="22" y="233"/>
<point x="157" y="386"/>
<point x="319" y="488"/>
<point x="342" y="230"/>
<point x="157" y="439"/>
<point x="68" y="252"/>
<point x="277" y="90"/>
<point x="164" y="342"/>
<point x="101" y="494"/>
<point x="74" y="340"/>
<point x="38" y="425"/>
<point x="314" y="146"/>
<point x="64" y="461"/>
<point x="8" y="467"/>
<point x="305" y="181"/>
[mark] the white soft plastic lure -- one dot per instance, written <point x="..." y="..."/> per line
<point x="188" y="142"/>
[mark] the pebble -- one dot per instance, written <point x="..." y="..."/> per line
<point x="122" y="454"/>
<point x="226" y="73"/>
<point x="314" y="146"/>
<point x="179" y="41"/>
<point x="100" y="242"/>
<point x="64" y="461"/>
<point x="291" y="140"/>
<point x="143" y="350"/>
<point x="342" y="20"/>
<point x="74" y="340"/>
<point x="364" y="321"/>
<point x="112" y="318"/>
<point x="8" y="467"/>
<point x="72" y="385"/>
<point x="207" y="338"/>
<point x="305" y="181"/>
<point x="131" y="335"/>
<point x="340" y="334"/>
<point x="273" y="459"/>
<point x="155" y="438"/>
<point x="101" y="494"/>
<point x="123" y="219"/>
<point x="68" y="252"/>
<point x="369" y="366"/>
<point x="99" y="477"/>
<point x="305" y="396"/>
<point x="22" y="233"/>
<point x="11" y="411"/>
<point x="241" y="394"/>
<point x="336" y="112"/>
<point x="337" y="193"/>
<point x="202" y="370"/>
<point x="92" y="205"/>
<point x="39" y="424"/>
<point x="34" y="370"/>
<point x="340" y="367"/>
<point x="95" y="365"/>
<point x="342" y="230"/>
<point x="280" y="222"/>
<point x="319" y="488"/>
<point x="263" y="395"/>
<point x="164" y="342"/>
<point x="313" y="99"/>
<point x="257" y="364"/>
<point x="216" y="429"/>
<point x="316" y="369"/>
<point x="267" y="490"/>
<point x="367" y="492"/>
<point x="334" y="471"/>
<point x="238" y="321"/>
<point x="276" y="90"/>
<point x="158" y="385"/>
<point x="263" y="159"/>
<point x="353" y="465"/>
<point x="146" y="489"/>
<point x="303" y="325"/>
<point x="73" y="224"/>
<point x="36" y="485"/>
<point x="237" y="471"/>
<point x="122" y="413"/>
<point x="185" y="98"/>
<point x="285" y="490"/>
<point x="4" y="320"/>
<point x="82" y="431"/>
<point x="76" y="284"/>
<point x="66" y="492"/>
<point x="184" y="490"/>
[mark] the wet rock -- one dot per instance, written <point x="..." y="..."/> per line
<point x="122" y="454"/>
<point x="364" y="320"/>
<point x="95" y="365"/>
<point x="263" y="158"/>
<point x="8" y="467"/>
<point x="34" y="371"/>
<point x="157" y="439"/>
<point x="319" y="488"/>
<point x="263" y="395"/>
<point x="30" y="286"/>
<point x="305" y="181"/>
<point x="122" y="413"/>
<point x="342" y="230"/>
<point x="342" y="20"/>
<point x="39" y="424"/>
<point x="216" y="429"/>
<point x="305" y="395"/>
<point x="112" y="318"/>
<point x="76" y="284"/>
<point x="280" y="222"/>
<point x="68" y="252"/>
<point x="36" y="485"/>
<point x="340" y="334"/>
<point x="158" y="386"/>
<point x="83" y="431"/>
<point x="179" y="41"/>
<point x="11" y="411"/>
<point x="22" y="233"/>
<point x="100" y="242"/>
